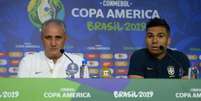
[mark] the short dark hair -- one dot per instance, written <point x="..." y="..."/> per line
<point x="158" y="22"/>
<point x="55" y="21"/>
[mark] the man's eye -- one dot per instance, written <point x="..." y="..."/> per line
<point x="161" y="36"/>
<point x="48" y="37"/>
<point x="149" y="36"/>
<point x="58" y="37"/>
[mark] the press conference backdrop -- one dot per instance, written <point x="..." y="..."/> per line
<point x="105" y="32"/>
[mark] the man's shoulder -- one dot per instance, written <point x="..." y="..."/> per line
<point x="75" y="55"/>
<point x="34" y="55"/>
<point x="140" y="52"/>
<point x="176" y="53"/>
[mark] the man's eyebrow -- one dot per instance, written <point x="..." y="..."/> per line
<point x="161" y="33"/>
<point x="47" y="36"/>
<point x="149" y="33"/>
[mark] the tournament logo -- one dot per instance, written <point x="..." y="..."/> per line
<point x="171" y="71"/>
<point x="3" y="61"/>
<point x="91" y="56"/>
<point x="15" y="54"/>
<point x="3" y="54"/>
<point x="93" y="71"/>
<point x="192" y="57"/>
<point x="3" y="70"/>
<point x="121" y="56"/>
<point x="107" y="63"/>
<point x="106" y="56"/>
<point x="121" y="71"/>
<point x="43" y="10"/>
<point x="14" y="62"/>
<point x="92" y="63"/>
<point x="13" y="69"/>
<point x="121" y="63"/>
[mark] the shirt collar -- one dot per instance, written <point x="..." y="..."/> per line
<point x="50" y="60"/>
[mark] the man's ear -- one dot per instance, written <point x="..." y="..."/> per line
<point x="65" y="37"/>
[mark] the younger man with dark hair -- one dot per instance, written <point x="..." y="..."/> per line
<point x="157" y="61"/>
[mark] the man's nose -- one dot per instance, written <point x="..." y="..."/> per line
<point x="155" y="40"/>
<point x="53" y="43"/>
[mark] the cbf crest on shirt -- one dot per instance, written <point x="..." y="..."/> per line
<point x="171" y="71"/>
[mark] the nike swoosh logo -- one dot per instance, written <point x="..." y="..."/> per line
<point x="148" y="68"/>
<point x="38" y="72"/>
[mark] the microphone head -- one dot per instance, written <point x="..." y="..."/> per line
<point x="84" y="61"/>
<point x="161" y="47"/>
<point x="62" y="51"/>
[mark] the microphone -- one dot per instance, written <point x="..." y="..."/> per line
<point x="62" y="52"/>
<point x="162" y="48"/>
